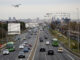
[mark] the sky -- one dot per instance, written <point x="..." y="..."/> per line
<point x="37" y="8"/>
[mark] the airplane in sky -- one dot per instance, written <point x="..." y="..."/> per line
<point x="17" y="5"/>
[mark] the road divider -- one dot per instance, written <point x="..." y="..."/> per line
<point x="31" y="55"/>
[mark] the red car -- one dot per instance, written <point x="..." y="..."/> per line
<point x="29" y="45"/>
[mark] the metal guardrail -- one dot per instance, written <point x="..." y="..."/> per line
<point x="76" y="54"/>
<point x="69" y="49"/>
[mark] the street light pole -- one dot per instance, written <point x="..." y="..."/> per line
<point x="69" y="30"/>
<point x="78" y="26"/>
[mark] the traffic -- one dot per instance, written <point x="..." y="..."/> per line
<point x="49" y="48"/>
<point x="21" y="46"/>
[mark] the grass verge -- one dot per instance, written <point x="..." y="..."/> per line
<point x="65" y="41"/>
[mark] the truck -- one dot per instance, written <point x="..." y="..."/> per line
<point x="10" y="46"/>
<point x="55" y="42"/>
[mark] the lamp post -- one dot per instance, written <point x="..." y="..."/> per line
<point x="69" y="30"/>
<point x="78" y="27"/>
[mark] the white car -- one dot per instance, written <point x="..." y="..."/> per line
<point x="25" y="42"/>
<point x="54" y="39"/>
<point x="60" y="49"/>
<point x="47" y="42"/>
<point x="21" y="46"/>
<point x="5" y="52"/>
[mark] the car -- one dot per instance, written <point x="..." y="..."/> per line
<point x="47" y="42"/>
<point x="29" y="48"/>
<point x="29" y="37"/>
<point x="21" y="46"/>
<point x="54" y="39"/>
<point x="19" y="38"/>
<point x="21" y="55"/>
<point x="24" y="39"/>
<point x="42" y="49"/>
<point x="25" y="49"/>
<point x="50" y="52"/>
<point x="60" y="49"/>
<point x="29" y="45"/>
<point x="25" y="42"/>
<point x="41" y="40"/>
<point x="46" y="38"/>
<point x="60" y="35"/>
<point x="5" y="52"/>
<point x="31" y="34"/>
<point x="35" y="33"/>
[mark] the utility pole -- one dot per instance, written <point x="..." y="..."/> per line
<point x="78" y="26"/>
<point x="69" y="31"/>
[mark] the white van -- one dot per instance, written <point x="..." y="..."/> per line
<point x="47" y="42"/>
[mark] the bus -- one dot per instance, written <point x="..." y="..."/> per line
<point x="55" y="42"/>
<point x="10" y="46"/>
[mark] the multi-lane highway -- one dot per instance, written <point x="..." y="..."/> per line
<point x="66" y="55"/>
<point x="30" y="38"/>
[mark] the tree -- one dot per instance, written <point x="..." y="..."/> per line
<point x="22" y="26"/>
<point x="2" y="33"/>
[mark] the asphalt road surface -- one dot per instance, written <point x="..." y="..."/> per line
<point x="66" y="55"/>
<point x="14" y="55"/>
<point x="31" y="38"/>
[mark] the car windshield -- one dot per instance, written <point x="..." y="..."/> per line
<point x="60" y="48"/>
<point x="6" y="50"/>
<point x="21" y="53"/>
<point x="26" y="48"/>
<point x="50" y="51"/>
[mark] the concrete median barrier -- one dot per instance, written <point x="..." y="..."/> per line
<point x="34" y="48"/>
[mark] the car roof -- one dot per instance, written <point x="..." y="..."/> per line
<point x="60" y="47"/>
<point x="21" y="52"/>
<point x="26" y="48"/>
<point x="55" y="39"/>
<point x="5" y="49"/>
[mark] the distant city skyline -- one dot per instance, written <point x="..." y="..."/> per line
<point x="37" y="8"/>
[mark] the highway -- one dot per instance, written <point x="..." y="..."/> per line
<point x="14" y="55"/>
<point x="66" y="55"/>
<point x="31" y="38"/>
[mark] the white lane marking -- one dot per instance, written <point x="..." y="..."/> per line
<point x="70" y="57"/>
<point x="21" y="59"/>
<point x="70" y="52"/>
<point x="45" y="57"/>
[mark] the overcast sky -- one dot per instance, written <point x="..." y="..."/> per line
<point x="37" y="8"/>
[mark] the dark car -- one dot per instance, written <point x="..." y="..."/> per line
<point x="46" y="38"/>
<point x="19" y="38"/>
<point x="42" y="49"/>
<point x="41" y="40"/>
<point x="29" y="45"/>
<point x="29" y="48"/>
<point x="25" y="49"/>
<point x="50" y="52"/>
<point x="21" y="55"/>
<point x="29" y="37"/>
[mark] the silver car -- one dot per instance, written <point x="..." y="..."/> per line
<point x="5" y="52"/>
